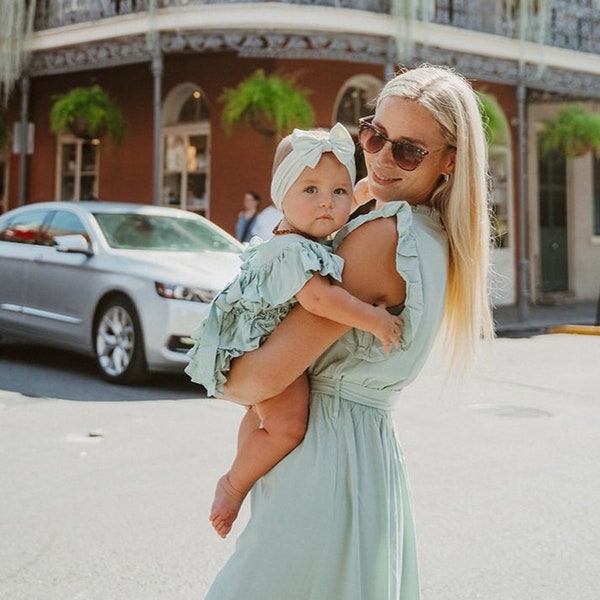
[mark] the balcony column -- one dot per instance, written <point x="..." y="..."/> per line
<point x="523" y="301"/>
<point x="23" y="135"/>
<point x="157" y="71"/>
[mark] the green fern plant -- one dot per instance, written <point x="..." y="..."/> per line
<point x="494" y="119"/>
<point x="88" y="113"/>
<point x="573" y="132"/>
<point x="271" y="104"/>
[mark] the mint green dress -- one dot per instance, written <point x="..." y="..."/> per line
<point x="333" y="520"/>
<point x="248" y="309"/>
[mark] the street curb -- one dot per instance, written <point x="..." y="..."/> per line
<point x="581" y="329"/>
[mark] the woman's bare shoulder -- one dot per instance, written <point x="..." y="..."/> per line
<point x="369" y="253"/>
<point x="372" y="234"/>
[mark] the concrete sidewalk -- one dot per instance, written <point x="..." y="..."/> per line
<point x="540" y="318"/>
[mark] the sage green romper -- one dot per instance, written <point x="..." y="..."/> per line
<point x="333" y="520"/>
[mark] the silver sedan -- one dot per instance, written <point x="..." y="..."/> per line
<point x="126" y="283"/>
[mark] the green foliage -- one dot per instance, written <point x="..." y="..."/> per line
<point x="494" y="119"/>
<point x="100" y="114"/>
<point x="272" y="104"/>
<point x="573" y="132"/>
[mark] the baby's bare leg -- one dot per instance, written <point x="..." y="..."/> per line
<point x="284" y="419"/>
<point x="249" y="424"/>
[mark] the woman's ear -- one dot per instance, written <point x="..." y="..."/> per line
<point x="450" y="163"/>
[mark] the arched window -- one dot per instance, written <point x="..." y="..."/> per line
<point x="355" y="100"/>
<point x="503" y="276"/>
<point x="185" y="161"/>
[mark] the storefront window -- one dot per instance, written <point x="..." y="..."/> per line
<point x="596" y="196"/>
<point x="500" y="206"/>
<point x="78" y="169"/>
<point x="186" y="151"/>
<point x="357" y="100"/>
<point x="3" y="186"/>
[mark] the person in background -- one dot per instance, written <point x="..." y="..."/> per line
<point x="247" y="216"/>
<point x="266" y="221"/>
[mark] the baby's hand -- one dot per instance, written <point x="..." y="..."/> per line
<point x="388" y="328"/>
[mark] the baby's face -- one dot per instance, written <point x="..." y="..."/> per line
<point x="319" y="201"/>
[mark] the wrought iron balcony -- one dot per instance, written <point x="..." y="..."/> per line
<point x="572" y="24"/>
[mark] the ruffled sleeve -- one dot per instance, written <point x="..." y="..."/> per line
<point x="366" y="345"/>
<point x="275" y="271"/>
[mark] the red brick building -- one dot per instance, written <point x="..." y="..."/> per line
<point x="169" y="61"/>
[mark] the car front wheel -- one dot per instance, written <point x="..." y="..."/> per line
<point x="119" y="344"/>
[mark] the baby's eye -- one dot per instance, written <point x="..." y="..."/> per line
<point x="311" y="189"/>
<point x="341" y="191"/>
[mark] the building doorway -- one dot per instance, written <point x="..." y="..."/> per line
<point x="553" y="224"/>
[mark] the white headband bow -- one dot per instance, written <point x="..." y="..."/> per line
<point x="307" y="149"/>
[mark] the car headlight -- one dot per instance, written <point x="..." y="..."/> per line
<point x="182" y="292"/>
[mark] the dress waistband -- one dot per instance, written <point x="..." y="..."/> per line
<point x="353" y="392"/>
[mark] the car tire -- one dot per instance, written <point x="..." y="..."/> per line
<point x="119" y="342"/>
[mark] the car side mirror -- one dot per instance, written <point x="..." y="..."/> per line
<point x="75" y="243"/>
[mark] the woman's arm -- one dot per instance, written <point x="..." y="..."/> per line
<point x="369" y="253"/>
<point x="320" y="297"/>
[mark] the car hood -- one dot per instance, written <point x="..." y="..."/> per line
<point x="209" y="270"/>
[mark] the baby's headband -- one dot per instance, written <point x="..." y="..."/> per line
<point x="307" y="149"/>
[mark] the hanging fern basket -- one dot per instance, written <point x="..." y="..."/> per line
<point x="88" y="113"/>
<point x="271" y="104"/>
<point x="494" y="120"/>
<point x="573" y="132"/>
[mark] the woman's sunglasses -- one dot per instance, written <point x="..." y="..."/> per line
<point x="407" y="156"/>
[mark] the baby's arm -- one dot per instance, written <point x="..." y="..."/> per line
<point x="323" y="299"/>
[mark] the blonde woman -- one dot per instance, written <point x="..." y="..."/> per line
<point x="333" y="520"/>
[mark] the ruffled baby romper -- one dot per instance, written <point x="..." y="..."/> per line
<point x="243" y="314"/>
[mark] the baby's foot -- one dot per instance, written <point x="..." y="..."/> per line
<point x="225" y="507"/>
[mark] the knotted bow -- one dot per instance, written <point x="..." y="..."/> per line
<point x="307" y="149"/>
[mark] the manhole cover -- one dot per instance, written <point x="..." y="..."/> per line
<point x="523" y="412"/>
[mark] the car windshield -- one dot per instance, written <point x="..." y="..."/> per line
<point x="134" y="231"/>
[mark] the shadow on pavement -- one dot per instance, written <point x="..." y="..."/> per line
<point x="42" y="372"/>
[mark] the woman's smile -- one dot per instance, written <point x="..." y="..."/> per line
<point x="383" y="180"/>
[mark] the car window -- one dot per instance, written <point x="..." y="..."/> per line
<point x="24" y="228"/>
<point x="63" y="222"/>
<point x="157" y="232"/>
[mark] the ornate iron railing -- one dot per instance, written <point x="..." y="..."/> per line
<point x="572" y="24"/>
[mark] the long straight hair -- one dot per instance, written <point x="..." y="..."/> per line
<point x="463" y="202"/>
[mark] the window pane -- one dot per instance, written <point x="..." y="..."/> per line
<point x="24" y="229"/>
<point x="65" y="223"/>
<point x="193" y="109"/>
<point x="153" y="232"/>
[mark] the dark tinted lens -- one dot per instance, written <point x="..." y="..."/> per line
<point x="407" y="156"/>
<point x="370" y="140"/>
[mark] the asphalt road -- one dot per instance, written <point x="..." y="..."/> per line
<point x="38" y="371"/>
<point x="105" y="491"/>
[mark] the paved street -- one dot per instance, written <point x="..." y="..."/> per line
<point x="108" y="500"/>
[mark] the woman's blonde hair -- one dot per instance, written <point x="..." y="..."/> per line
<point x="462" y="201"/>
